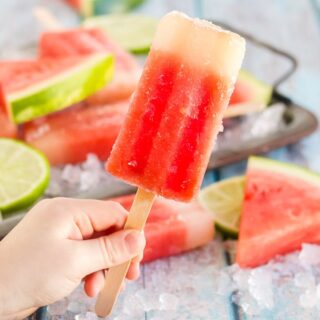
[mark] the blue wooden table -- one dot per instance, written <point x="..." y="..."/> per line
<point x="292" y="25"/>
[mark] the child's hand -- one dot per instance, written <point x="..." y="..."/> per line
<point x="56" y="245"/>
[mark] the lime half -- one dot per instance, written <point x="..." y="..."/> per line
<point x="24" y="175"/>
<point x="133" y="32"/>
<point x="224" y="199"/>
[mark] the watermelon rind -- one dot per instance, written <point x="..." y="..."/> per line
<point x="62" y="90"/>
<point x="87" y="8"/>
<point x="132" y="32"/>
<point x="284" y="168"/>
<point x="262" y="91"/>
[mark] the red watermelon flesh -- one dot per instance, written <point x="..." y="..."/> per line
<point x="75" y="4"/>
<point x="7" y="128"/>
<point x="249" y="89"/>
<point x="28" y="88"/>
<point x="85" y="41"/>
<point x="173" y="227"/>
<point x="68" y="136"/>
<point x="281" y="211"/>
<point x="241" y="93"/>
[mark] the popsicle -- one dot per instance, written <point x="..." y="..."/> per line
<point x="174" y="117"/>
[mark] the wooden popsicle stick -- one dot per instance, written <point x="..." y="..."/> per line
<point x="114" y="277"/>
<point x="241" y="109"/>
<point x="47" y="19"/>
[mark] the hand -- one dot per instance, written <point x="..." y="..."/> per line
<point x="59" y="243"/>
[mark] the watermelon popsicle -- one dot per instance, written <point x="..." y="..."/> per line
<point x="175" y="115"/>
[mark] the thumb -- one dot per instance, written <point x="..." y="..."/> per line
<point x="106" y="252"/>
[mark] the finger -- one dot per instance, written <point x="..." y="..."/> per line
<point x="92" y="216"/>
<point x="138" y="258"/>
<point x="93" y="283"/>
<point x="109" y="251"/>
<point x="134" y="271"/>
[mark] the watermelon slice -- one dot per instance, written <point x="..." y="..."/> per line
<point x="173" y="227"/>
<point x="7" y="128"/>
<point x="68" y="136"/>
<point x="249" y="95"/>
<point x="250" y="89"/>
<point x="87" y="41"/>
<point x="94" y="7"/>
<point x="281" y="211"/>
<point x="30" y="89"/>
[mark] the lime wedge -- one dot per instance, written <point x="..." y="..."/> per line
<point x="133" y="32"/>
<point x="224" y="199"/>
<point x="24" y="175"/>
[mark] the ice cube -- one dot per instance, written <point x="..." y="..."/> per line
<point x="304" y="280"/>
<point x="91" y="316"/>
<point x="71" y="174"/>
<point x="89" y="179"/>
<point x="55" y="186"/>
<point x="148" y="299"/>
<point x="260" y="287"/>
<point x="247" y="303"/>
<point x="133" y="306"/>
<point x="86" y="316"/>
<point x="310" y="255"/>
<point x="59" y="308"/>
<point x="309" y="298"/>
<point x="225" y="285"/>
<point x="76" y="307"/>
<point x="318" y="291"/>
<point x="168" y="301"/>
<point x="92" y="163"/>
<point x="266" y="122"/>
<point x="240" y="277"/>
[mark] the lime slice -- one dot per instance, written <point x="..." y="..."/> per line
<point x="24" y="175"/>
<point x="224" y="199"/>
<point x="133" y="32"/>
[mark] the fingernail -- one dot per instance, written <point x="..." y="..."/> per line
<point x="135" y="241"/>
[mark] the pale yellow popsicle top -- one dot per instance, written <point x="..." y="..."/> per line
<point x="206" y="43"/>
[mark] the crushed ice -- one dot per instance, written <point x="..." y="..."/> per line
<point x="198" y="285"/>
<point x="251" y="127"/>
<point x="88" y="179"/>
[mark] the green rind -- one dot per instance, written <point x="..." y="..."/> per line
<point x="283" y="168"/>
<point x="87" y="8"/>
<point x="61" y="91"/>
<point x="132" y="32"/>
<point x="262" y="90"/>
<point x="34" y="193"/>
<point x="90" y="8"/>
<point x="226" y="231"/>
